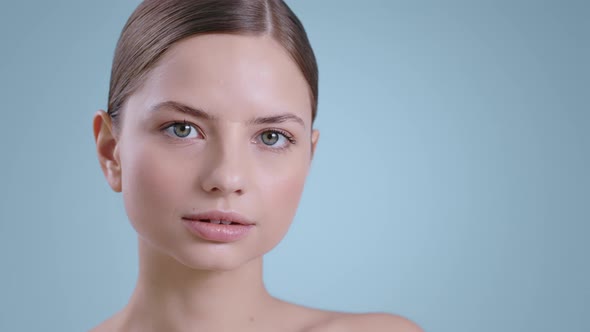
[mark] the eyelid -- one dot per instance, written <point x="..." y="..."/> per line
<point x="184" y="122"/>
<point x="283" y="132"/>
<point x="288" y="136"/>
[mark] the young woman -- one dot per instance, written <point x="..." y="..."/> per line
<point x="209" y="136"/>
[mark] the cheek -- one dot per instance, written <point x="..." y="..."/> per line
<point x="280" y="195"/>
<point x="151" y="187"/>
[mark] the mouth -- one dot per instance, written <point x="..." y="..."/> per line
<point x="218" y="221"/>
<point x="218" y="226"/>
<point x="220" y="218"/>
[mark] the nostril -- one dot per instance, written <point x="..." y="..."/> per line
<point x="218" y="188"/>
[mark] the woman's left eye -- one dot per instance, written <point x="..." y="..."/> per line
<point x="276" y="139"/>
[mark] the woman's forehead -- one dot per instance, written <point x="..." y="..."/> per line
<point x="232" y="76"/>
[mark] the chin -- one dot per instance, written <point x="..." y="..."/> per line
<point x="214" y="257"/>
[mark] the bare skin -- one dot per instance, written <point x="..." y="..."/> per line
<point x="222" y="162"/>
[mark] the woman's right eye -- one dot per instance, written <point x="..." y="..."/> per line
<point x="182" y="130"/>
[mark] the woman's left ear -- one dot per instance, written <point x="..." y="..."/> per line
<point x="315" y="136"/>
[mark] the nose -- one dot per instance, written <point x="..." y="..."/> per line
<point x="224" y="171"/>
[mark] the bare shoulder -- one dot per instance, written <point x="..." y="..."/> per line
<point x="104" y="327"/>
<point x="374" y="322"/>
<point x="309" y="319"/>
<point x="109" y="325"/>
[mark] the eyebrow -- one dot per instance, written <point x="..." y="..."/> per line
<point x="281" y="118"/>
<point x="201" y="114"/>
<point x="170" y="104"/>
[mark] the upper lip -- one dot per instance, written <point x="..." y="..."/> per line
<point x="220" y="215"/>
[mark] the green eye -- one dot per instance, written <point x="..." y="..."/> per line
<point x="270" y="137"/>
<point x="182" y="130"/>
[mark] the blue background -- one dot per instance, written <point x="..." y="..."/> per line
<point x="451" y="182"/>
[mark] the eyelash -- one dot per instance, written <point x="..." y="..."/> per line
<point x="285" y="134"/>
<point x="290" y="138"/>
<point x="186" y="123"/>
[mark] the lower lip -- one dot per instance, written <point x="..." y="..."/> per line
<point x="217" y="232"/>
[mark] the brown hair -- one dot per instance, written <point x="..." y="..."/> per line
<point x="157" y="24"/>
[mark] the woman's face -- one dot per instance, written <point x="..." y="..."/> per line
<point x="246" y="150"/>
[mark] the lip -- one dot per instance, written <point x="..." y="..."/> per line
<point x="239" y="228"/>
<point x="220" y="215"/>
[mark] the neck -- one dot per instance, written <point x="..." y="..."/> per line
<point x="170" y="296"/>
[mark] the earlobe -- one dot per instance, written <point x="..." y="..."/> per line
<point x="107" y="149"/>
<point x="315" y="136"/>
